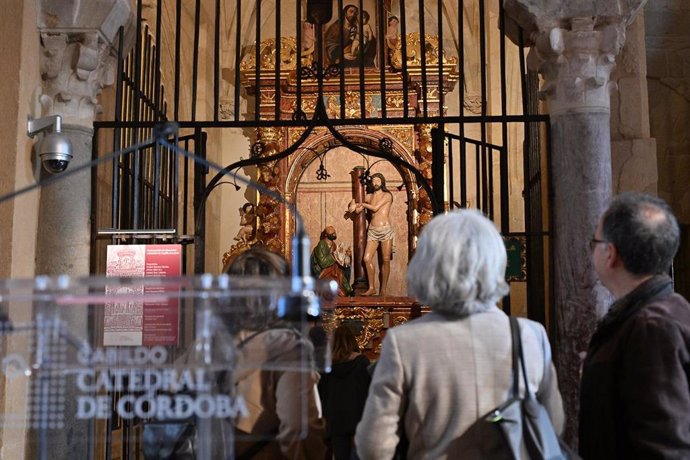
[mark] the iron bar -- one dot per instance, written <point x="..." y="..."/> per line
<point x="362" y="103"/>
<point x="505" y="208"/>
<point x="299" y="24"/>
<point x="216" y="62"/>
<point x="478" y="183"/>
<point x="341" y="58"/>
<point x="441" y="95"/>
<point x="482" y="64"/>
<point x="422" y="51"/>
<point x="279" y="41"/>
<point x="405" y="76"/>
<point x="257" y="64"/>
<point x="451" y="175"/>
<point x="137" y="116"/>
<point x="195" y="56"/>
<point x="382" y="38"/>
<point x="238" y="54"/>
<point x="490" y="185"/>
<point x="463" y="174"/>
<point x="475" y="119"/>
<point x="115" y="197"/>
<point x="178" y="44"/>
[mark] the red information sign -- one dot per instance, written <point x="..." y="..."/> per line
<point x="142" y="323"/>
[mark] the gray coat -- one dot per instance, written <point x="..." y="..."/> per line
<point x="440" y="374"/>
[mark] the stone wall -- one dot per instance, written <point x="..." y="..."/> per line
<point x="633" y="151"/>
<point x="668" y="78"/>
<point x="19" y="48"/>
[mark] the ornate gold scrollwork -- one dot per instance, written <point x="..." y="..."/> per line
<point x="308" y="105"/>
<point x="414" y="52"/>
<point x="268" y="55"/>
<point x="370" y="317"/>
<point x="399" y="320"/>
<point x="237" y="249"/>
<point x="402" y="134"/>
<point x="352" y="105"/>
<point x="424" y="155"/>
<point x="394" y="101"/>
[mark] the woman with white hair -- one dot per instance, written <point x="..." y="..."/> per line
<point x="438" y="374"/>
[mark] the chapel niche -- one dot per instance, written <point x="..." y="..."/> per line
<point x="323" y="200"/>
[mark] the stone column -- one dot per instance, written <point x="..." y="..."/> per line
<point x="76" y="62"/>
<point x="575" y="45"/>
<point x="576" y="65"/>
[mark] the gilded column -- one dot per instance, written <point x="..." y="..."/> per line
<point x="423" y="155"/>
<point x="270" y="176"/>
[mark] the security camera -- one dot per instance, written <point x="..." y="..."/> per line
<point x="55" y="150"/>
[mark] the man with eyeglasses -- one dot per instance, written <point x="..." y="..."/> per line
<point x="635" y="394"/>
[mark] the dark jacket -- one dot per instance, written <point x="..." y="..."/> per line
<point x="634" y="397"/>
<point x="343" y="394"/>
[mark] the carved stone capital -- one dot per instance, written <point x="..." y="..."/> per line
<point x="576" y="65"/>
<point x="77" y="57"/>
<point x="532" y="16"/>
<point x="74" y="70"/>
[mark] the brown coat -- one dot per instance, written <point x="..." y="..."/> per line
<point x="635" y="399"/>
<point x="275" y="377"/>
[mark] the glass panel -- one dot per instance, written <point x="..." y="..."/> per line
<point x="153" y="358"/>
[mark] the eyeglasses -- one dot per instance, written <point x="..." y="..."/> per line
<point x="593" y="242"/>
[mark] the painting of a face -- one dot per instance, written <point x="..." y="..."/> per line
<point x="351" y="14"/>
<point x="351" y="37"/>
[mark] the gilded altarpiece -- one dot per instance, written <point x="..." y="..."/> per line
<point x="318" y="175"/>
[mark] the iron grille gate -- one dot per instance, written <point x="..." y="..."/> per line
<point x="214" y="66"/>
<point x="461" y="81"/>
<point x="476" y="175"/>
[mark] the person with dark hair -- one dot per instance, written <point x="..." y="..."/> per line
<point x="274" y="373"/>
<point x="344" y="392"/>
<point x="379" y="233"/>
<point x="635" y="393"/>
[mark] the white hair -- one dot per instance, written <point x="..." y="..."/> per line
<point x="459" y="265"/>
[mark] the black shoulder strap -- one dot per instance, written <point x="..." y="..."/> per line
<point x="517" y="352"/>
<point x="516" y="348"/>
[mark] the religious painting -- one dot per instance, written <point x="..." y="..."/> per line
<point x="372" y="105"/>
<point x="352" y="36"/>
<point x="392" y="36"/>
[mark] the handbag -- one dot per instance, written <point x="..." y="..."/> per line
<point x="520" y="426"/>
<point x="178" y="439"/>
<point x="523" y="420"/>
<point x="169" y="440"/>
